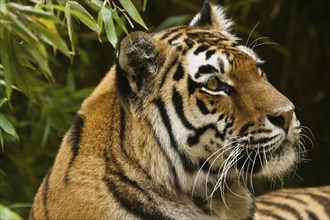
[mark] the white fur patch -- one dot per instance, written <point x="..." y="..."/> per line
<point x="193" y="63"/>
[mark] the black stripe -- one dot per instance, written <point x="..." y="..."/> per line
<point x="311" y="215"/>
<point x="74" y="139"/>
<point x="227" y="126"/>
<point x="178" y="73"/>
<point x="245" y="127"/>
<point x="202" y="204"/>
<point x="283" y="207"/>
<point x="166" y="35"/>
<point x="194" y="139"/>
<point x="129" y="194"/>
<point x="286" y="196"/>
<point x="192" y="86"/>
<point x="187" y="164"/>
<point x="209" y="54"/>
<point x="122" y="136"/>
<point x="202" y="107"/>
<point x="175" y="174"/>
<point x="269" y="214"/>
<point x="167" y="71"/>
<point x="322" y="200"/>
<point x="201" y="49"/>
<point x="189" y="43"/>
<point x="262" y="140"/>
<point x="175" y="37"/>
<point x="161" y="107"/>
<point x="45" y="194"/>
<point x="170" y="31"/>
<point x="122" y="130"/>
<point x="205" y="69"/>
<point x="178" y="106"/>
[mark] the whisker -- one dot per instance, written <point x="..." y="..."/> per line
<point x="255" y="26"/>
<point x="256" y="41"/>
<point x="265" y="43"/>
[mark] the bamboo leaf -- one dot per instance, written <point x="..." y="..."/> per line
<point x="87" y="19"/>
<point x="2" y="82"/>
<point x="52" y="36"/>
<point x="8" y="67"/>
<point x="3" y="101"/>
<point x="40" y="60"/>
<point x="23" y="28"/>
<point x="100" y="23"/>
<point x="144" y="5"/>
<point x="97" y="5"/>
<point x="131" y="10"/>
<point x="70" y="28"/>
<point x="120" y="22"/>
<point x="109" y="26"/>
<point x="46" y="132"/>
<point x="32" y="11"/>
<point x="6" y="213"/>
<point x="7" y="127"/>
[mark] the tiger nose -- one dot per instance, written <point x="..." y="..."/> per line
<point x="281" y="119"/>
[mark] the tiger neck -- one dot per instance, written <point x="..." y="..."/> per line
<point x="154" y="156"/>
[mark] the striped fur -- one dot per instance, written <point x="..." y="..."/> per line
<point x="182" y="117"/>
<point x="304" y="203"/>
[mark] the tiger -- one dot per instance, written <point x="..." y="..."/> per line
<point x="180" y="120"/>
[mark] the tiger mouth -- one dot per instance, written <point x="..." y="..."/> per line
<point x="254" y="160"/>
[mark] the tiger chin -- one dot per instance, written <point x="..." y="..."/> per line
<point x="182" y="117"/>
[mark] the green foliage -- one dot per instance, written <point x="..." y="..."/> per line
<point x="7" y="214"/>
<point x="43" y="75"/>
<point x="54" y="52"/>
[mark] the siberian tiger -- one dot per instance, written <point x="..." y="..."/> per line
<point x="171" y="129"/>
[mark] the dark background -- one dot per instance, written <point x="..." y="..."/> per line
<point x="298" y="66"/>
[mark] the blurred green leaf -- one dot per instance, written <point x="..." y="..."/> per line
<point x="120" y="22"/>
<point x="131" y="10"/>
<point x="3" y="101"/>
<point x="7" y="63"/>
<point x="7" y="214"/>
<point x="109" y="26"/>
<point x="79" y="13"/>
<point x="7" y="126"/>
<point x="172" y="21"/>
<point x="144" y="5"/>
<point x="52" y="37"/>
<point x="83" y="15"/>
<point x="100" y="23"/>
<point x="3" y="82"/>
<point x="32" y="11"/>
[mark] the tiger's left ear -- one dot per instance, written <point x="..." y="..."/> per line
<point x="211" y="16"/>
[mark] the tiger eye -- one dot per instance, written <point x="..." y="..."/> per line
<point x="212" y="84"/>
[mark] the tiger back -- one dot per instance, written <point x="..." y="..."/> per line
<point x="301" y="203"/>
<point x="182" y="116"/>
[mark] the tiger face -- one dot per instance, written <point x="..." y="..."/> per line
<point x="208" y="102"/>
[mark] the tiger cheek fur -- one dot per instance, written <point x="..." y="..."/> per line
<point x="171" y="129"/>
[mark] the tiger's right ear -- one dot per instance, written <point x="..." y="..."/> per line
<point x="137" y="63"/>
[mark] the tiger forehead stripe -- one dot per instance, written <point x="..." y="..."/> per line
<point x="202" y="62"/>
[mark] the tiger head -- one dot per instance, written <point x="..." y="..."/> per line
<point x="207" y="100"/>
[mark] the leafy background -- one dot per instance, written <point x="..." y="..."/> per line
<point x="54" y="52"/>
